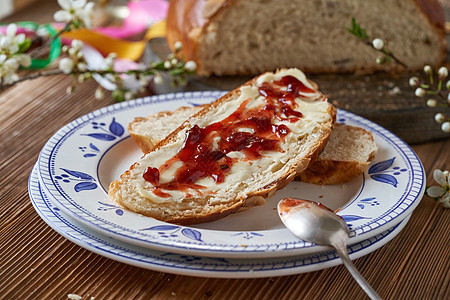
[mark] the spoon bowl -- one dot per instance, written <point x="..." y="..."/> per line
<point x="316" y="223"/>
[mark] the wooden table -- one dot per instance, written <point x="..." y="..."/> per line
<point x="38" y="263"/>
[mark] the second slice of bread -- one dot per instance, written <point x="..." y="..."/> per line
<point x="247" y="178"/>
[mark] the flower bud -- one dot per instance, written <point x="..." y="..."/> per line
<point x="443" y="73"/>
<point x="77" y="45"/>
<point x="99" y="93"/>
<point x="414" y="82"/>
<point x="379" y="60"/>
<point x="167" y="64"/>
<point x="178" y="46"/>
<point x="431" y="103"/>
<point x="190" y="66"/>
<point x="439" y="118"/>
<point x="174" y="61"/>
<point x="420" y="92"/>
<point x="428" y="70"/>
<point x="72" y="51"/>
<point x="378" y="44"/>
<point x="445" y="127"/>
<point x="128" y="95"/>
<point x="82" y="67"/>
<point x="158" y="79"/>
<point x="66" y="65"/>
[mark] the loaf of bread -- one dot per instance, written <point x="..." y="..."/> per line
<point x="242" y="147"/>
<point x="348" y="152"/>
<point x="229" y="37"/>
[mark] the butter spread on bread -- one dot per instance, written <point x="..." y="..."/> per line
<point x="248" y="143"/>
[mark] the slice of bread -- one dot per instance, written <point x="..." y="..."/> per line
<point x="246" y="144"/>
<point x="229" y="37"/>
<point x="147" y="132"/>
<point x="347" y="154"/>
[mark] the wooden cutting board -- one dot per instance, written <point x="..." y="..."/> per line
<point x="383" y="98"/>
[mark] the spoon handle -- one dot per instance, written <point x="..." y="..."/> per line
<point x="342" y="251"/>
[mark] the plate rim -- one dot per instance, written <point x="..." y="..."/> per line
<point x="149" y="259"/>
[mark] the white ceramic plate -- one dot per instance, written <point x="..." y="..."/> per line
<point x="77" y="164"/>
<point x="192" y="265"/>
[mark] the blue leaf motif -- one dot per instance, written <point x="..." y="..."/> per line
<point x="84" y="186"/>
<point x="192" y="234"/>
<point x="116" y="128"/>
<point x="78" y="174"/>
<point x="367" y="199"/>
<point x="385" y="178"/>
<point x="351" y="218"/>
<point x="256" y="234"/>
<point x="119" y="212"/>
<point x="102" y="136"/>
<point x="89" y="155"/>
<point x="162" y="227"/>
<point x="93" y="147"/>
<point x="360" y="206"/>
<point x="381" y="166"/>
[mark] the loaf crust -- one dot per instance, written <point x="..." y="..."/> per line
<point x="189" y="21"/>
<point x="185" y="212"/>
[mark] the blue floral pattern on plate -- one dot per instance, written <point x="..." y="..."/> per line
<point x="371" y="204"/>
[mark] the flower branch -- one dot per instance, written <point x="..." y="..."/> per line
<point x="78" y="14"/>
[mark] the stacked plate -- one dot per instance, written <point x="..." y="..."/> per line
<point x="69" y="183"/>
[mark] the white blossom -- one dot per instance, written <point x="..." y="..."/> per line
<point x="190" y="66"/>
<point x="11" y="42"/>
<point x="158" y="79"/>
<point x="178" y="46"/>
<point x="445" y="127"/>
<point x="77" y="45"/>
<point x="413" y="82"/>
<point x="443" y="190"/>
<point x="378" y="44"/>
<point x="75" y="11"/>
<point x="82" y="67"/>
<point x="428" y="70"/>
<point x="431" y="103"/>
<point x="66" y="65"/>
<point x="99" y="93"/>
<point x="420" y="92"/>
<point x="23" y="59"/>
<point x="443" y="73"/>
<point x="128" y="96"/>
<point x="167" y="64"/>
<point x="439" y="118"/>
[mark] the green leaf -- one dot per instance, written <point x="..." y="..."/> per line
<point x="24" y="45"/>
<point x="357" y="31"/>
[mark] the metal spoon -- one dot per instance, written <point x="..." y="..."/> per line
<point x="316" y="223"/>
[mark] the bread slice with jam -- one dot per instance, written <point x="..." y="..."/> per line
<point x="347" y="155"/>
<point x="242" y="147"/>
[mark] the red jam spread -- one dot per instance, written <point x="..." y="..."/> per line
<point x="197" y="154"/>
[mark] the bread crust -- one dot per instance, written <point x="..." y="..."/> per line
<point x="188" y="19"/>
<point x="203" y="215"/>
